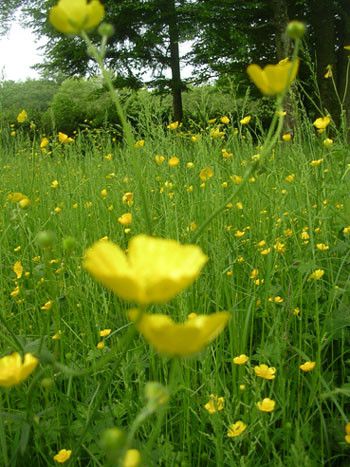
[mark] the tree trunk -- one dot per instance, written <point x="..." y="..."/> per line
<point x="323" y="23"/>
<point x="176" y="82"/>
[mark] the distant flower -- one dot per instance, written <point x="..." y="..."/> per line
<point x="347" y="426"/>
<point x="241" y="359"/>
<point x="18" y="269"/>
<point x="154" y="270"/>
<point x="47" y="306"/>
<point x="183" y="339"/>
<point x="215" y="404"/>
<point x="75" y="16"/>
<point x="307" y="366"/>
<point x="100" y="345"/>
<point x="173" y="161"/>
<point x="287" y="137"/>
<point x="346" y="230"/>
<point x="216" y="133"/>
<point x="128" y="198"/>
<point x="22" y="116"/>
<point x="140" y="143"/>
<point x="54" y="184"/>
<point x="322" y="122"/>
<point x="206" y="173"/>
<point x="132" y="458"/>
<point x="125" y="219"/>
<point x="236" y="429"/>
<point x="105" y="332"/>
<point x="225" y="120"/>
<point x="245" y="120"/>
<point x="14" y="370"/>
<point x="173" y="125"/>
<point x="266" y="405"/>
<point x="322" y="246"/>
<point x="63" y="138"/>
<point x="329" y="72"/>
<point x="44" y="142"/>
<point x="274" y="79"/>
<point x="265" y="372"/>
<point x="159" y="159"/>
<point x="62" y="456"/>
<point x="316" y="275"/>
<point x="328" y="142"/>
<point x="236" y="179"/>
<point x="316" y="162"/>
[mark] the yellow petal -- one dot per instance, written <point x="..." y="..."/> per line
<point x="259" y="79"/>
<point x="183" y="339"/>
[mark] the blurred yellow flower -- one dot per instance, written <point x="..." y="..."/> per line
<point x="307" y="366"/>
<point x="24" y="203"/>
<point x="216" y="133"/>
<point x="183" y="339"/>
<point x="47" y="306"/>
<point x="347" y="429"/>
<point x="132" y="458"/>
<point x="327" y="142"/>
<point x="225" y="120"/>
<point x="14" y="370"/>
<point x="44" y="142"/>
<point x="206" y="173"/>
<point x="62" y="456"/>
<point x="236" y="429"/>
<point x="329" y="72"/>
<point x="245" y="120"/>
<point x="173" y="161"/>
<point x="18" y="269"/>
<point x="241" y="359"/>
<point x="63" y="138"/>
<point x="287" y="137"/>
<point x="54" y="184"/>
<point x="22" y="116"/>
<point x="159" y="159"/>
<point x="173" y="125"/>
<point x="154" y="271"/>
<point x="265" y="372"/>
<point x="266" y="405"/>
<point x="215" y="404"/>
<point x="316" y="275"/>
<point x="74" y="16"/>
<point x="140" y="143"/>
<point x="322" y="122"/>
<point x="125" y="219"/>
<point x="274" y="79"/>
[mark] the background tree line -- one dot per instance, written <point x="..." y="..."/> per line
<point x="226" y="35"/>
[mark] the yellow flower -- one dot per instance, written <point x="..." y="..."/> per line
<point x="128" y="198"/>
<point x="132" y="458"/>
<point x="105" y="332"/>
<point x="215" y="404"/>
<point x="287" y="137"/>
<point x="236" y="429"/>
<point x="62" y="456"/>
<point x="307" y="366"/>
<point x="173" y="161"/>
<point x="206" y="173"/>
<point x="140" y="143"/>
<point x="347" y="431"/>
<point x="22" y="116"/>
<point x="74" y="16"/>
<point x="322" y="246"/>
<point x="329" y="72"/>
<point x="47" y="306"/>
<point x="183" y="339"/>
<point x="54" y="184"/>
<point x="44" y="143"/>
<point x="316" y="275"/>
<point x="316" y="162"/>
<point x="159" y="159"/>
<point x="327" y="142"/>
<point x="263" y="371"/>
<point x="154" y="271"/>
<point x="322" y="122"/>
<point x="125" y="219"/>
<point x="225" y="120"/>
<point x="14" y="370"/>
<point x="226" y="154"/>
<point x="18" y="269"/>
<point x="241" y="359"/>
<point x="173" y="125"/>
<point x="15" y="197"/>
<point x="245" y="120"/>
<point x="216" y="133"/>
<point x="63" y="138"/>
<point x="274" y="79"/>
<point x="100" y="345"/>
<point x="346" y="230"/>
<point x="236" y="179"/>
<point x="266" y="405"/>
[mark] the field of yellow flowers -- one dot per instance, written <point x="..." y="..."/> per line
<point x="176" y="298"/>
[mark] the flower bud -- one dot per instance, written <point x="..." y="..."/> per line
<point x="45" y="239"/>
<point x="106" y="30"/>
<point x="296" y="29"/>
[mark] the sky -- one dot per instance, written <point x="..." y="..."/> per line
<point x="18" y="52"/>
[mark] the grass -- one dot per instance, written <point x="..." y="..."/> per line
<point x="58" y="408"/>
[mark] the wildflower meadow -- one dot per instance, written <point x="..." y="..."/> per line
<point x="176" y="293"/>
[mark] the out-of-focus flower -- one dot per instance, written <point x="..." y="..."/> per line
<point x="14" y="370"/>
<point x="62" y="456"/>
<point x="274" y="79"/>
<point x="22" y="116"/>
<point x="75" y="16"/>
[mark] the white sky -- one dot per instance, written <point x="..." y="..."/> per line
<point x="18" y="52"/>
